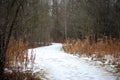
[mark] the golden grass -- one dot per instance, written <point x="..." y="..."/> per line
<point x="100" y="48"/>
<point x="17" y="55"/>
<point x="17" y="61"/>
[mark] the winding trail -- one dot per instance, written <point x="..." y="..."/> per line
<point x="62" y="66"/>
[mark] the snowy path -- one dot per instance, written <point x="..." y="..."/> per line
<point x="62" y="66"/>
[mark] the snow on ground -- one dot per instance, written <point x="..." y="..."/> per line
<point x="62" y="66"/>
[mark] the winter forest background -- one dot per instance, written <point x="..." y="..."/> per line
<point x="54" y="20"/>
<point x="32" y="23"/>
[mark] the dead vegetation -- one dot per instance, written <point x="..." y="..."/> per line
<point x="102" y="50"/>
<point x="17" y="54"/>
<point x="17" y="61"/>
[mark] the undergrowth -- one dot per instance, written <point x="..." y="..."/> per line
<point x="18" y="61"/>
<point x="103" y="49"/>
<point x="15" y="75"/>
<point x="17" y="56"/>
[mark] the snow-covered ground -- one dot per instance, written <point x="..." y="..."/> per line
<point x="59" y="65"/>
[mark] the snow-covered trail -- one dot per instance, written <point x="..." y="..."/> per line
<point x="62" y="66"/>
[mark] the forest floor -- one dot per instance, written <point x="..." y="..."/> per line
<point x="52" y="63"/>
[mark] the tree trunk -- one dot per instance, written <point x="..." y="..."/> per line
<point x="4" y="47"/>
<point x="2" y="56"/>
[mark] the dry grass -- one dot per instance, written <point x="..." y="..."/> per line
<point x="17" y="62"/>
<point x="100" y="48"/>
<point x="17" y="55"/>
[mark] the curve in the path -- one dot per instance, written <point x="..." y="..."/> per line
<point x="62" y="66"/>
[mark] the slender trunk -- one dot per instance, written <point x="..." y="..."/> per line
<point x="3" y="48"/>
<point x="1" y="57"/>
<point x="65" y="20"/>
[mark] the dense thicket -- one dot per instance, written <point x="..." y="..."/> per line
<point x="107" y="18"/>
<point x="64" y="19"/>
<point x="55" y="20"/>
<point x="52" y="20"/>
<point x="94" y="17"/>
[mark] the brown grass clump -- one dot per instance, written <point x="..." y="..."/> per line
<point x="17" y="61"/>
<point x="17" y="55"/>
<point x="100" y="48"/>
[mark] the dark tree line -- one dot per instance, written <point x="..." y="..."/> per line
<point x="57" y="20"/>
<point x="107" y="18"/>
<point x="61" y="19"/>
<point x="88" y="17"/>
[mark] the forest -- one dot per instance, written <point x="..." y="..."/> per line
<point x="26" y="24"/>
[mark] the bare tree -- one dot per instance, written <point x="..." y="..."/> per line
<point x="7" y="29"/>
